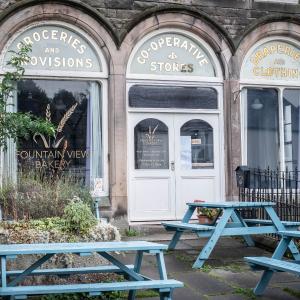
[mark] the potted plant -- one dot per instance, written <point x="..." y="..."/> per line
<point x="206" y="215"/>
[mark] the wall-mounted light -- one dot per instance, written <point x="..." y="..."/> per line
<point x="256" y="104"/>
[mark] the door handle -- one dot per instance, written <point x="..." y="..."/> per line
<point x="172" y="165"/>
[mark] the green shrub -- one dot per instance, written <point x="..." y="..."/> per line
<point x="78" y="217"/>
<point x="34" y="197"/>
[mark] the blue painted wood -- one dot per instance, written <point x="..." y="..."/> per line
<point x="90" y="287"/>
<point x="3" y="271"/>
<point x="281" y="247"/>
<point x="249" y="230"/>
<point x="268" y="222"/>
<point x="230" y="204"/>
<point x="189" y="213"/>
<point x="263" y="283"/>
<point x="295" y="234"/>
<point x="186" y="218"/>
<point x="188" y="226"/>
<point x="137" y="269"/>
<point x="56" y="248"/>
<point x="275" y="264"/>
<point x="70" y="271"/>
<point x="161" y="266"/>
<point x="28" y="271"/>
<point x="237" y="218"/>
<point x="280" y="227"/>
<point x="129" y="272"/>
<point x="209" y="246"/>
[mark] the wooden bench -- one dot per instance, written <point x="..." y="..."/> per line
<point x="275" y="263"/>
<point x="291" y="225"/>
<point x="177" y="225"/>
<point x="133" y="279"/>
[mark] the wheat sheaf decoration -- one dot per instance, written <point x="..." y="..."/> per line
<point x="66" y="117"/>
<point x="48" y="113"/>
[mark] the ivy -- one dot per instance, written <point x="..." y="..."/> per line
<point x="14" y="125"/>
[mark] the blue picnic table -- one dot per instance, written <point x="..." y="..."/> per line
<point x="276" y="263"/>
<point x="229" y="223"/>
<point x="133" y="279"/>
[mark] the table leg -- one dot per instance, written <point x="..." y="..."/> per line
<point x="178" y="233"/>
<point x="137" y="269"/>
<point x="3" y="271"/>
<point x="267" y="274"/>
<point x="30" y="269"/>
<point x="236" y="217"/>
<point x="280" y="227"/>
<point x="163" y="294"/>
<point x="209" y="246"/>
<point x="263" y="283"/>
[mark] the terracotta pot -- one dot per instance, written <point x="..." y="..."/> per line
<point x="204" y="220"/>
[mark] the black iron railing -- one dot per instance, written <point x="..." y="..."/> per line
<point x="281" y="187"/>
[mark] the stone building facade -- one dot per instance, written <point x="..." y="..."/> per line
<point x="188" y="90"/>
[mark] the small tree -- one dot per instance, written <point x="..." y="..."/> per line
<point x="14" y="125"/>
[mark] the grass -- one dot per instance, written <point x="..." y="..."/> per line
<point x="131" y="232"/>
<point x="244" y="292"/>
<point x="206" y="268"/>
<point x="292" y="292"/>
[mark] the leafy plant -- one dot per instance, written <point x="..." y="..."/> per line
<point x="16" y="124"/>
<point x="131" y="232"/>
<point x="34" y="197"/>
<point x="78" y="217"/>
<point x="210" y="213"/>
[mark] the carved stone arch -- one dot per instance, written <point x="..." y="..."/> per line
<point x="214" y="37"/>
<point x="270" y="29"/>
<point x="73" y="13"/>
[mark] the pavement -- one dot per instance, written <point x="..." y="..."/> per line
<point x="225" y="276"/>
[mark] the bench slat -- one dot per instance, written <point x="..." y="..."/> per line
<point x="188" y="226"/>
<point x="295" y="234"/>
<point x="269" y="222"/>
<point x="275" y="264"/>
<point x="18" y="249"/>
<point x="70" y="271"/>
<point x="92" y="287"/>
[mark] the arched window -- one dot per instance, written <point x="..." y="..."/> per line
<point x="64" y="82"/>
<point x="270" y="78"/>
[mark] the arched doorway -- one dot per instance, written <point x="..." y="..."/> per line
<point x="175" y="125"/>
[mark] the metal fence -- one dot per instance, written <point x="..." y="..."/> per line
<point x="281" y="187"/>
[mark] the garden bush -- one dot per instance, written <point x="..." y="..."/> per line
<point x="35" y="197"/>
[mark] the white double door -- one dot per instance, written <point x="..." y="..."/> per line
<point x="174" y="158"/>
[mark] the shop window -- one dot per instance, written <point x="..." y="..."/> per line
<point x="272" y="128"/>
<point x="151" y="145"/>
<point x="262" y="128"/>
<point x="75" y="109"/>
<point x="197" y="149"/>
<point x="291" y="119"/>
<point x="151" y="96"/>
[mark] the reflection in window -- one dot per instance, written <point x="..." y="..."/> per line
<point x="151" y="96"/>
<point x="262" y="128"/>
<point x="291" y="113"/>
<point x="75" y="108"/>
<point x="197" y="149"/>
<point x="151" y="145"/>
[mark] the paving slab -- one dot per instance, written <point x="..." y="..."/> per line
<point x="202" y="283"/>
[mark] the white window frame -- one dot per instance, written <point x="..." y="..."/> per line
<point x="279" y="85"/>
<point x="280" y="89"/>
<point x="99" y="77"/>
